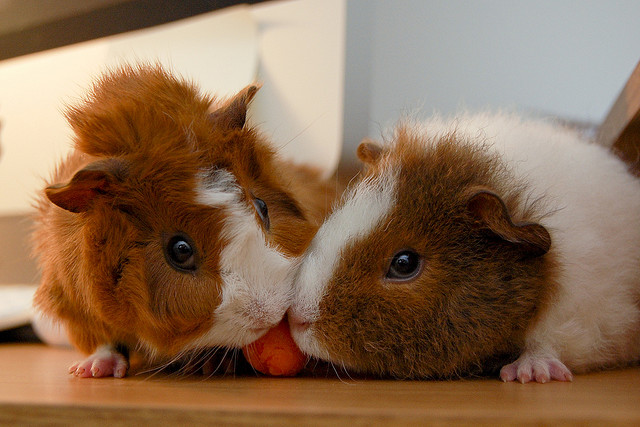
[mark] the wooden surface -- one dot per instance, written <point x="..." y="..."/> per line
<point x="621" y="128"/>
<point x="35" y="389"/>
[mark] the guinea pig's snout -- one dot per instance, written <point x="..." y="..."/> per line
<point x="261" y="315"/>
<point x="303" y="312"/>
<point x="303" y="323"/>
<point x="298" y="322"/>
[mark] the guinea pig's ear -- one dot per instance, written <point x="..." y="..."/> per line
<point x="233" y="114"/>
<point x="101" y="178"/>
<point x="489" y="209"/>
<point x="369" y="151"/>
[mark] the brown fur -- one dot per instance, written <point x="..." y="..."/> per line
<point x="141" y="138"/>
<point x="484" y="279"/>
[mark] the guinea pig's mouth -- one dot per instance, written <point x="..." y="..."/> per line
<point x="232" y="332"/>
<point x="298" y="323"/>
<point x="258" y="331"/>
<point x="307" y="333"/>
<point x="260" y="327"/>
<point x="302" y="332"/>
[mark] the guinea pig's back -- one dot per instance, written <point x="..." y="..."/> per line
<point x="591" y="206"/>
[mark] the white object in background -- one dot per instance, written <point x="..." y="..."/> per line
<point x="300" y="105"/>
<point x="217" y="50"/>
<point x="49" y="331"/>
<point x="15" y="305"/>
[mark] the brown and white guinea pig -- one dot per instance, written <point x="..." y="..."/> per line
<point x="471" y="243"/>
<point x="172" y="225"/>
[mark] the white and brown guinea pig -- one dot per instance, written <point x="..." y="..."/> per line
<point x="171" y="226"/>
<point x="475" y="242"/>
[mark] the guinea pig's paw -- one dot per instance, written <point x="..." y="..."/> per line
<point x="541" y="369"/>
<point x="105" y="362"/>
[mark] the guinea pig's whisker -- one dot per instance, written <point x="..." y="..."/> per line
<point x="190" y="361"/>
<point x="251" y="354"/>
<point x="184" y="360"/>
<point x="204" y="362"/>
<point x="306" y="128"/>
<point x="335" y="370"/>
<point x="315" y="365"/>
<point x="202" y="356"/>
<point x="235" y="355"/>
<point x="154" y="370"/>
<point x="232" y="353"/>
<point x="346" y="372"/>
<point x="221" y="362"/>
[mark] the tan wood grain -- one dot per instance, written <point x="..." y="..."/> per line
<point x="620" y="130"/>
<point x="35" y="388"/>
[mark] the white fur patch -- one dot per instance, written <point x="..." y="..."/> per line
<point x="364" y="207"/>
<point x="218" y="188"/>
<point x="256" y="277"/>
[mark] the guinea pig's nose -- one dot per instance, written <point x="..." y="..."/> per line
<point x="298" y="322"/>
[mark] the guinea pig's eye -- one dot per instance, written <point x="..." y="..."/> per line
<point x="405" y="265"/>
<point x="263" y="211"/>
<point x="180" y="253"/>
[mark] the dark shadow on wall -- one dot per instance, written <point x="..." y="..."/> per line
<point x="60" y="26"/>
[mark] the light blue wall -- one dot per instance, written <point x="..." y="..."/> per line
<point x="563" y="57"/>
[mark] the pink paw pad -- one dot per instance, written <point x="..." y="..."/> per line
<point x="537" y="369"/>
<point x="105" y="362"/>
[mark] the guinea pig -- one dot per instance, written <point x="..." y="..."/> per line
<point x="171" y="226"/>
<point x="472" y="243"/>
